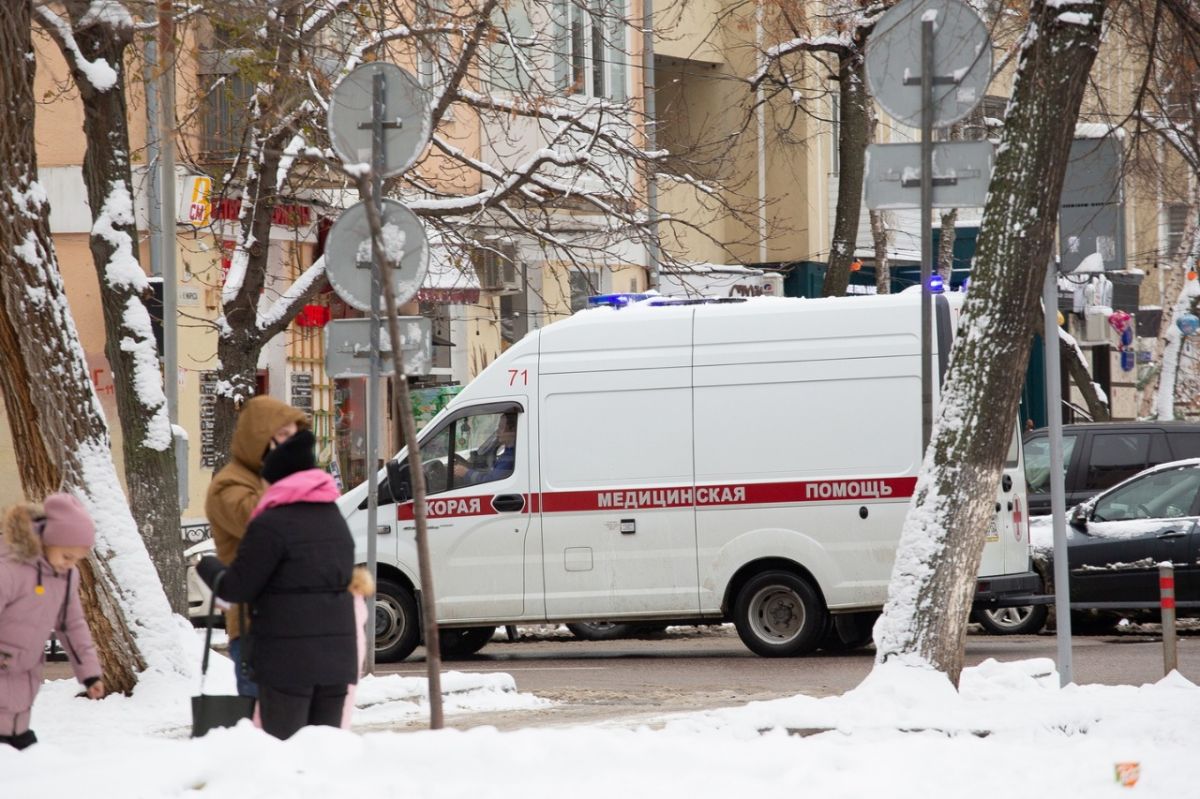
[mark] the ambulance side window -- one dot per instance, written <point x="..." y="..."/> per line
<point x="486" y="448"/>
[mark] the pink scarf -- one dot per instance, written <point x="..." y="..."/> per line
<point x="311" y="485"/>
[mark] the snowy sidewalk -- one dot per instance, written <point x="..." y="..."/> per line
<point x="1010" y="731"/>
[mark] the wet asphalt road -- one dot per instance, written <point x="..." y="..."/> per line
<point x="688" y="668"/>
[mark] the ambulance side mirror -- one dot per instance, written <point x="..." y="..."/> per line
<point x="397" y="481"/>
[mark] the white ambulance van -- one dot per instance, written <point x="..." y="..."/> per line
<point x="683" y="461"/>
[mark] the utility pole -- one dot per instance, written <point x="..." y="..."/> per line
<point x="166" y="235"/>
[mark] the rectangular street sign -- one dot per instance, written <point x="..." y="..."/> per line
<point x="348" y="347"/>
<point x="961" y="173"/>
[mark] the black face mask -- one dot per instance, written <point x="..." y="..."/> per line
<point x="297" y="454"/>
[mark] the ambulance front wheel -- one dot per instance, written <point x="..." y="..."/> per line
<point x="397" y="628"/>
<point x="778" y="614"/>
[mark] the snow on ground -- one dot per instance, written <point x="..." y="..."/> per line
<point x="161" y="706"/>
<point x="1010" y="731"/>
<point x="1041" y="532"/>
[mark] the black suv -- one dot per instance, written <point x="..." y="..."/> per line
<point x="1100" y="455"/>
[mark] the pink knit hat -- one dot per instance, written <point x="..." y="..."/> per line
<point x="67" y="523"/>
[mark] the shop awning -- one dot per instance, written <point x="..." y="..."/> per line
<point x="450" y="280"/>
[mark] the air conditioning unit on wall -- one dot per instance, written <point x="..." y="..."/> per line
<point x="497" y="268"/>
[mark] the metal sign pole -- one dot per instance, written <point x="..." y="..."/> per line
<point x="387" y="92"/>
<point x="962" y="61"/>
<point x="1062" y="589"/>
<point x="926" y="230"/>
<point x="377" y="259"/>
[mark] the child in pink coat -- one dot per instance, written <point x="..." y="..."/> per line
<point x="39" y="592"/>
<point x="362" y="585"/>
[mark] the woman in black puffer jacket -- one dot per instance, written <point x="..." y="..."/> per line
<point x="292" y="568"/>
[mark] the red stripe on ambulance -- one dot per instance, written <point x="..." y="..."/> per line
<point x="714" y="496"/>
<point x="437" y="508"/>
<point x="728" y="495"/>
<point x="454" y="507"/>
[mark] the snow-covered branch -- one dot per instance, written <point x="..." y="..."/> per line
<point x="283" y="309"/>
<point x="99" y="74"/>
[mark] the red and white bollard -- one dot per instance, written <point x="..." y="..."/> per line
<point x="1166" y="589"/>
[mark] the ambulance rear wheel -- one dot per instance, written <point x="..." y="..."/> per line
<point x="778" y="614"/>
<point x="397" y="629"/>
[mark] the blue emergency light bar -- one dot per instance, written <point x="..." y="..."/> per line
<point x="621" y="300"/>
<point x="618" y="300"/>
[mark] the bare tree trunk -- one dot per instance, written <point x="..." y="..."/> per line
<point x="933" y="582"/>
<point x="242" y="337"/>
<point x="852" y="149"/>
<point x="238" y="356"/>
<point x="1077" y="368"/>
<point x="147" y="441"/>
<point x="60" y="436"/>
<point x="879" y="223"/>
<point x="945" y="261"/>
<point x="949" y="230"/>
<point x="1173" y="285"/>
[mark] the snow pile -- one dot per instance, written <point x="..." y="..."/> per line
<point x="1020" y="698"/>
<point x="393" y="698"/>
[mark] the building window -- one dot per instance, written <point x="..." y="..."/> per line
<point x="225" y="110"/>
<point x="497" y="266"/>
<point x="986" y="119"/>
<point x="514" y="318"/>
<point x="440" y="326"/>
<point x="592" y="48"/>
<point x="433" y="50"/>
<point x="1177" y="219"/>
<point x="1180" y="104"/>
<point x="584" y="283"/>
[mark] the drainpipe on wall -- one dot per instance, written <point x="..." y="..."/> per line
<point x="652" y="248"/>
<point x="762" y="137"/>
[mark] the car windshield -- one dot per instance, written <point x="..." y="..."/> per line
<point x="1159" y="495"/>
<point x="1037" y="462"/>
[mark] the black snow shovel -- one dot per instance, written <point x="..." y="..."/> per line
<point x="210" y="710"/>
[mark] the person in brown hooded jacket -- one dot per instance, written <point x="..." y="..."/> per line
<point x="236" y="489"/>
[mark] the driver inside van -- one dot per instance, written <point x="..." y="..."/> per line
<point x="495" y="460"/>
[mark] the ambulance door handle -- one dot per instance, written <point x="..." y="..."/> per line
<point x="508" y="503"/>
<point x="383" y="529"/>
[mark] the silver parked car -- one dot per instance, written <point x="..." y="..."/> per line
<point x="199" y="597"/>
